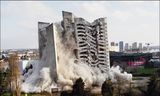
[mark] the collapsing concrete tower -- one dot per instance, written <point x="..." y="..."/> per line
<point x="91" y="39"/>
<point x="47" y="48"/>
<point x="90" y="42"/>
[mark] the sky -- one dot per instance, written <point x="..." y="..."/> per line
<point x="128" y="21"/>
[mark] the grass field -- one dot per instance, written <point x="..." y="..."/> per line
<point x="143" y="71"/>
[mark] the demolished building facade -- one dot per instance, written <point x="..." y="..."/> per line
<point x="91" y="40"/>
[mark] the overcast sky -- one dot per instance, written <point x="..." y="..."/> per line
<point x="128" y="21"/>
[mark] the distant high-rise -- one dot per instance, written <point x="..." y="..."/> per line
<point x="121" y="46"/>
<point x="140" y="47"/>
<point x="113" y="44"/>
<point x="126" y="47"/>
<point x="130" y="47"/>
<point x="134" y="45"/>
<point x="116" y="44"/>
<point x="113" y="47"/>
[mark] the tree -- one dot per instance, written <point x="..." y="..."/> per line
<point x="107" y="88"/>
<point x="154" y="85"/>
<point x="78" y="88"/>
<point x="3" y="80"/>
<point x="14" y="75"/>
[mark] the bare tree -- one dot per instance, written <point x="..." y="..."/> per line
<point x="14" y="75"/>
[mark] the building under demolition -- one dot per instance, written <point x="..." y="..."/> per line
<point x="68" y="50"/>
<point x="91" y="40"/>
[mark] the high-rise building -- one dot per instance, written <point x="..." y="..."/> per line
<point x="41" y="36"/>
<point x="134" y="45"/>
<point x="126" y="47"/>
<point x="121" y="46"/>
<point x="113" y="47"/>
<point x="91" y="40"/>
<point x="113" y="44"/>
<point x="47" y="49"/>
<point x="116" y="44"/>
<point x="130" y="47"/>
<point x="140" y="47"/>
<point x="87" y="41"/>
